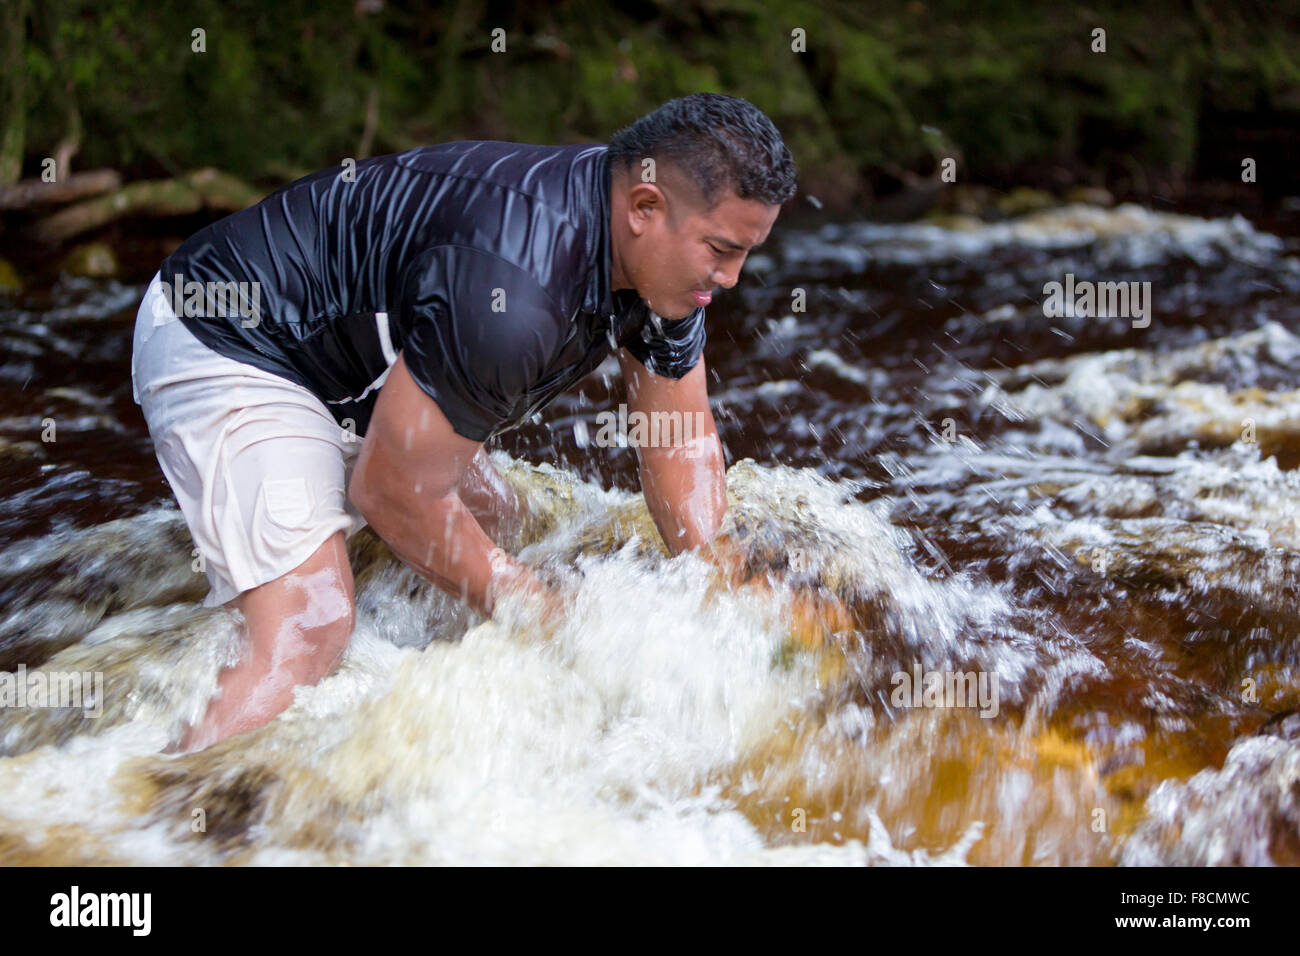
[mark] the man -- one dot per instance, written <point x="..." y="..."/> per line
<point x="424" y="302"/>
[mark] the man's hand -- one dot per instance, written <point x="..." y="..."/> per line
<point x="408" y="485"/>
<point x="683" y="475"/>
<point x="531" y="607"/>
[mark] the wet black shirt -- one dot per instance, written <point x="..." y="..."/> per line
<point x="485" y="264"/>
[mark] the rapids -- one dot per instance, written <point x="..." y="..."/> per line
<point x="927" y="477"/>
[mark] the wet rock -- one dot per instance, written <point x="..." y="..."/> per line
<point x="95" y="260"/>
<point x="1089" y="196"/>
<point x="57" y="589"/>
<point x="954" y="221"/>
<point x="965" y="200"/>
<point x="10" y="280"/>
<point x="18" y="449"/>
<point x="1023" y="200"/>
<point x="1285" y="725"/>
<point x="1245" y="814"/>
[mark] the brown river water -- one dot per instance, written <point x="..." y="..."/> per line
<point x="1096" y="525"/>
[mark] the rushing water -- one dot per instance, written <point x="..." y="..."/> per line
<point x="927" y="476"/>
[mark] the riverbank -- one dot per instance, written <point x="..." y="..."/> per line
<point x="871" y="97"/>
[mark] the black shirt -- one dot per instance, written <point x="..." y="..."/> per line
<point x="485" y="264"/>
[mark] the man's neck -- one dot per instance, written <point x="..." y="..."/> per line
<point x="617" y="277"/>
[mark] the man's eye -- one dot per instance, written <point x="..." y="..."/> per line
<point x="716" y="250"/>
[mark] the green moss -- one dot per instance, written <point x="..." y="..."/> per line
<point x="94" y="259"/>
<point x="10" y="280"/>
<point x="284" y="86"/>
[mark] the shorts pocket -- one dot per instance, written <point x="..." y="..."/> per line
<point x="288" y="501"/>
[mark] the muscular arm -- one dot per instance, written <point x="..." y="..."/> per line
<point x="684" y="483"/>
<point x="411" y="483"/>
<point x="491" y="500"/>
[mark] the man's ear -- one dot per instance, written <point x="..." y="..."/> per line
<point x="644" y="202"/>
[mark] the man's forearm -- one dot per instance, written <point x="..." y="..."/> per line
<point x="492" y="501"/>
<point x="440" y="539"/>
<point x="686" y="491"/>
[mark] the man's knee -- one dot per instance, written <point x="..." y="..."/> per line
<point x="324" y="625"/>
<point x="307" y="615"/>
<point x="329" y="636"/>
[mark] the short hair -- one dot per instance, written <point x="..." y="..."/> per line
<point x="721" y="142"/>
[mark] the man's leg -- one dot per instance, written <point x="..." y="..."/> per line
<point x="257" y="465"/>
<point x="297" y="628"/>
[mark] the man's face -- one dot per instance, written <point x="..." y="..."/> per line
<point x="676" y="252"/>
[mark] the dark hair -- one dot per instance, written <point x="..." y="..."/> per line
<point x="722" y="142"/>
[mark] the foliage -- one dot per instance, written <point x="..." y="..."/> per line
<point x="283" y="87"/>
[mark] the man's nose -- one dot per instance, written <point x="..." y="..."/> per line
<point x="728" y="277"/>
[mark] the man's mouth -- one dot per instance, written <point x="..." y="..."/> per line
<point x="702" y="296"/>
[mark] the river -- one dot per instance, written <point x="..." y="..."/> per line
<point x="1008" y="588"/>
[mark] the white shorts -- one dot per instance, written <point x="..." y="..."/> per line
<point x="257" y="464"/>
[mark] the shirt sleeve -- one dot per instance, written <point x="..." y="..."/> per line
<point x="669" y="347"/>
<point x="477" y="333"/>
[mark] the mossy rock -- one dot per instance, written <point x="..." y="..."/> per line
<point x="963" y="199"/>
<point x="949" y="220"/>
<point x="95" y="260"/>
<point x="1089" y="195"/>
<point x="1024" y="199"/>
<point x="10" y="280"/>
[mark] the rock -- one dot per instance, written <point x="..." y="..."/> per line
<point x="958" y="221"/>
<point x="1023" y="200"/>
<point x="1285" y="725"/>
<point x="1089" y="196"/>
<point x="10" y="280"/>
<point x="95" y="260"/>
<point x="966" y="200"/>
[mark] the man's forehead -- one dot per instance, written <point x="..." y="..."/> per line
<point x="732" y="222"/>
<point x="738" y="223"/>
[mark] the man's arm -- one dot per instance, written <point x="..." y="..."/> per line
<point x="684" y="482"/>
<point x="492" y="501"/>
<point x="407" y="484"/>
